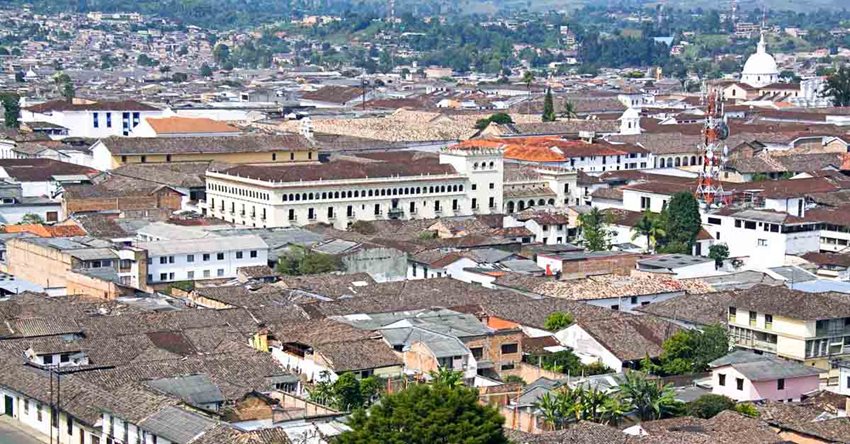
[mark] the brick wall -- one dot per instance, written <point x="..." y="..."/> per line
<point x="621" y="264"/>
<point x="164" y="199"/>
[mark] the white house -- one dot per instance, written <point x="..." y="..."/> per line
<point x="762" y="238"/>
<point x="206" y="258"/>
<point x="92" y="119"/>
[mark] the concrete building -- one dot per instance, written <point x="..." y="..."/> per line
<point x="91" y="119"/>
<point x="745" y="376"/>
<point x="202" y="258"/>
<point x="812" y="328"/>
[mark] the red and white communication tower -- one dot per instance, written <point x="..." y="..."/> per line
<point x="713" y="152"/>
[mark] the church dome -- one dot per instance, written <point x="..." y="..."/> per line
<point x="760" y="68"/>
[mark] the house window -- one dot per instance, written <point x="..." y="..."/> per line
<point x="206" y="273"/>
<point x="768" y="321"/>
<point x="739" y="383"/>
<point x="492" y="186"/>
<point x="762" y="242"/>
<point x="168" y="157"/>
<point x="253" y="254"/>
<point x="752" y="318"/>
<point x="163" y="276"/>
<point x="721" y="380"/>
<point x="615" y="307"/>
<point x="454" y="204"/>
<point x="732" y="313"/>
<point x="64" y="357"/>
<point x="190" y="275"/>
<point x="220" y="272"/>
<point x="509" y="348"/>
<point x="109" y="120"/>
<point x="644" y="202"/>
<point x="48" y="360"/>
<point x="190" y="258"/>
<point x="780" y="384"/>
<point x="477" y="352"/>
<point x="219" y="256"/>
<point x="143" y="159"/>
<point x="95" y="120"/>
<point x="238" y="255"/>
<point x="38" y="412"/>
<point x="206" y="257"/>
<point x="291" y="214"/>
<point x="163" y="260"/>
<point x="492" y="202"/>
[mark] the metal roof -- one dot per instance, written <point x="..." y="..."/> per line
<point x="757" y="367"/>
<point x="205" y="245"/>
<point x="176" y="425"/>
<point x="196" y="390"/>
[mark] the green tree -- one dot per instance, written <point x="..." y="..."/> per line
<point x="221" y="53"/>
<point x="747" y="409"/>
<point x="649" y="225"/>
<point x="650" y="399"/>
<point x="718" y="252"/>
<point x="11" y="110"/>
<point x="446" y="377"/>
<point x="65" y="86"/>
<point x="838" y="87"/>
<point x="425" y="414"/>
<point x="31" y="218"/>
<point x="566" y="405"/>
<point x="205" y="71"/>
<point x="499" y="118"/>
<point x="557" y="321"/>
<point x="548" y="107"/>
<point x="179" y="77"/>
<point x="681" y="221"/>
<point x="594" y="230"/>
<point x="514" y="379"/>
<point x="569" y="111"/>
<point x="709" y="405"/>
<point x="346" y="392"/>
<point x="300" y="261"/>
<point x="528" y="79"/>
<point x="690" y="351"/>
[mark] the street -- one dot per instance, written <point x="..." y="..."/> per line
<point x="9" y="434"/>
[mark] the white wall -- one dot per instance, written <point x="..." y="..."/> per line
<point x="580" y="341"/>
<point x="181" y="266"/>
<point x="82" y="123"/>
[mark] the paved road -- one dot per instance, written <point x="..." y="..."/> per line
<point x="13" y="435"/>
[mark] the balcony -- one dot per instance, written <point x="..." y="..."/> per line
<point x="395" y="213"/>
<point x="754" y="344"/>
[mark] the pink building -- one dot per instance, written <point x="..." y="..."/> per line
<point x="747" y="376"/>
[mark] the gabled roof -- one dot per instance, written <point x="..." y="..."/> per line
<point x="120" y="146"/>
<point x="189" y="125"/>
<point x="763" y="367"/>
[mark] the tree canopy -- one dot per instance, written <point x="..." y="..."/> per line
<point x="425" y="414"/>
<point x="690" y="351"/>
<point x="681" y="221"/>
<point x="594" y="230"/>
<point x="838" y="86"/>
<point x="11" y="109"/>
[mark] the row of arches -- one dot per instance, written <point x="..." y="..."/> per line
<point x="523" y="204"/>
<point x="296" y="197"/>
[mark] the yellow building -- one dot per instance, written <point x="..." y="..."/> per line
<point x="813" y="328"/>
<point x="112" y="152"/>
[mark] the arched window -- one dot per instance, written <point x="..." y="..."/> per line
<point x="325" y="195"/>
<point x="298" y="197"/>
<point x="510" y="206"/>
<point x="285" y="197"/>
<point x="685" y="161"/>
<point x="310" y="196"/>
<point x="530" y="203"/>
<point x="693" y="160"/>
<point x="430" y="189"/>
<point x="541" y="202"/>
<point x="461" y="187"/>
<point x="492" y="165"/>
<point x="370" y="193"/>
<point x="418" y="190"/>
<point x="678" y="162"/>
<point x="551" y="201"/>
<point x="669" y="163"/>
<point x="521" y="205"/>
<point x="475" y="166"/>
<point x="336" y="194"/>
<point x="443" y="189"/>
<point x="356" y="193"/>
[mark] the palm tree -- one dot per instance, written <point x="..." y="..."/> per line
<point x="650" y="399"/>
<point x="447" y="377"/>
<point x="650" y="226"/>
<point x="569" y="110"/>
<point x="528" y="79"/>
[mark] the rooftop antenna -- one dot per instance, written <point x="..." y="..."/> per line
<point x="713" y="153"/>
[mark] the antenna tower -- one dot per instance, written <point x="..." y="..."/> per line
<point x="713" y="153"/>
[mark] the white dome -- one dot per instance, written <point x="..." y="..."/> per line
<point x="760" y="69"/>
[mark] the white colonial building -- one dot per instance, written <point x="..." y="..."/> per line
<point x="460" y="181"/>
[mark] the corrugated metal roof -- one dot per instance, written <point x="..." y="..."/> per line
<point x="196" y="390"/>
<point x="176" y="425"/>
<point x="206" y="245"/>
